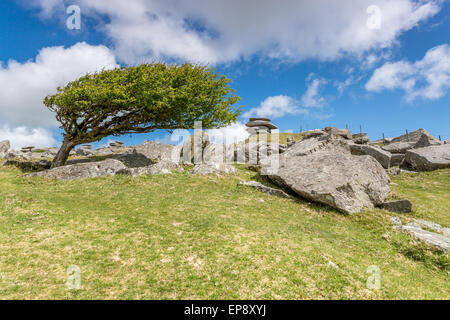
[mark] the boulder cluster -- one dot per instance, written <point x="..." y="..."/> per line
<point x="329" y="166"/>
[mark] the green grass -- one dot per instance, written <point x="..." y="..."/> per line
<point x="282" y="137"/>
<point x="179" y="236"/>
<point x="429" y="193"/>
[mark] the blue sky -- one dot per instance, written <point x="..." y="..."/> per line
<point x="303" y="65"/>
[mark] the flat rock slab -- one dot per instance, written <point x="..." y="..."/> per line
<point x="265" y="189"/>
<point x="436" y="240"/>
<point x="399" y="147"/>
<point x="382" y="156"/>
<point x="429" y="158"/>
<point x="163" y="167"/>
<point x="257" y="123"/>
<point x="400" y="206"/>
<point x="107" y="167"/>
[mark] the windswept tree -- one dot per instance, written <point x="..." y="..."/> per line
<point x="140" y="99"/>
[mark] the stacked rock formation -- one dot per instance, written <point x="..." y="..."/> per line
<point x="260" y="125"/>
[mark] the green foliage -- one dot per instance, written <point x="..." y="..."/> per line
<point x="143" y="99"/>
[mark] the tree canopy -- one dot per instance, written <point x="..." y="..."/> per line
<point x="141" y="99"/>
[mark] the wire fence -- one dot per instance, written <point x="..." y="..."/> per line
<point x="380" y="135"/>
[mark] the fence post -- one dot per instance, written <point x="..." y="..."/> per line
<point x="360" y="134"/>
<point x="440" y="138"/>
<point x="407" y="135"/>
<point x="384" y="140"/>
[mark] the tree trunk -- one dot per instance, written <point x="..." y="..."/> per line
<point x="63" y="153"/>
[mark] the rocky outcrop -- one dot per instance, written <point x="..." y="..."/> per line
<point x="322" y="169"/>
<point x="434" y="239"/>
<point x="382" y="156"/>
<point x="343" y="181"/>
<point x="162" y="167"/>
<point x="215" y="168"/>
<point x="264" y="189"/>
<point x="157" y="151"/>
<point x="413" y="136"/>
<point x="361" y="138"/>
<point x="429" y="158"/>
<point x="426" y="141"/>
<point x="397" y="159"/>
<point x="399" y="147"/>
<point x="107" y="167"/>
<point x="399" y="206"/>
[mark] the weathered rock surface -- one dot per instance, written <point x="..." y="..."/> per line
<point x="361" y="138"/>
<point x="400" y="206"/>
<point x="412" y="136"/>
<point x="397" y="159"/>
<point x="341" y="180"/>
<point x="107" y="167"/>
<point x="162" y="167"/>
<point x="382" y="156"/>
<point x="434" y="226"/>
<point x="215" y="168"/>
<point x="429" y="158"/>
<point x="315" y="144"/>
<point x="265" y="189"/>
<point x="314" y="133"/>
<point x="29" y="165"/>
<point x="434" y="239"/>
<point x="157" y="151"/>
<point x="426" y="141"/>
<point x="398" y="147"/>
<point x="344" y="133"/>
<point x="133" y="159"/>
<point x="290" y="142"/>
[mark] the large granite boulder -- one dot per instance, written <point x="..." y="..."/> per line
<point x="361" y="138"/>
<point x="157" y="151"/>
<point x="429" y="158"/>
<point x="382" y="156"/>
<point x="399" y="147"/>
<point x="344" y="133"/>
<point x="107" y="167"/>
<point x="314" y="144"/>
<point x="413" y="136"/>
<point x="341" y="180"/>
<point x="133" y="159"/>
<point x="162" y="167"/>
<point x="214" y="168"/>
<point x="426" y="141"/>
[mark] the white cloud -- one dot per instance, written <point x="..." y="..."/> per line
<point x="311" y="98"/>
<point x="276" y="107"/>
<point x="24" y="137"/>
<point x="24" y="85"/>
<point x="428" y="78"/>
<point x="231" y="134"/>
<point x="223" y="31"/>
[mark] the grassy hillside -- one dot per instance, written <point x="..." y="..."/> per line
<point x="178" y="236"/>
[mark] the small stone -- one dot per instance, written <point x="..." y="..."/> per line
<point x="400" y="206"/>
